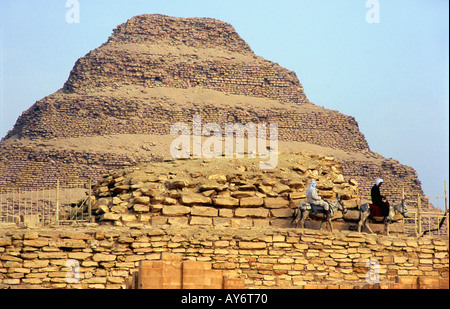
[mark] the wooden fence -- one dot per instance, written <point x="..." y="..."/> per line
<point x="433" y="222"/>
<point x="68" y="200"/>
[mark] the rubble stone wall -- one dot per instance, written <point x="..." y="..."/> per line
<point x="262" y="257"/>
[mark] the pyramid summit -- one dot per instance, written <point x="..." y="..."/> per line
<point x="121" y="99"/>
<point x="160" y="51"/>
<point x="175" y="31"/>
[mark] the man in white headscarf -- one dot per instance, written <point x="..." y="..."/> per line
<point x="313" y="198"/>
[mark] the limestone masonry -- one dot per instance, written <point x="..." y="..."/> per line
<point x="197" y="192"/>
<point x="275" y="257"/>
<point x="198" y="223"/>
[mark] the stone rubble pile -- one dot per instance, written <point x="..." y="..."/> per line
<point x="240" y="195"/>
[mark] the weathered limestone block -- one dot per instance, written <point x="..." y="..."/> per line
<point x="40" y="242"/>
<point x="101" y="209"/>
<point x="299" y="168"/>
<point x="226" y="201"/>
<point x="265" y="189"/>
<point x="81" y="256"/>
<point x="194" y="199"/>
<point x="282" y="213"/>
<point x="169" y="201"/>
<point x="145" y="200"/>
<point x="243" y="194"/>
<point x="139" y="208"/>
<point x="339" y="179"/>
<point x="252" y="212"/>
<point x="353" y="182"/>
<point x="204" y="211"/>
<point x="128" y="217"/>
<point x="116" y="200"/>
<point x="277" y="202"/>
<point x="296" y="184"/>
<point x="200" y="221"/>
<point x="101" y="257"/>
<point x="220" y="178"/>
<point x="171" y="210"/>
<point x="252" y="245"/>
<point x="280" y="188"/>
<point x="251" y="202"/>
<point x="5" y="241"/>
<point x="110" y="217"/>
<point x="297" y="195"/>
<point x="36" y="263"/>
<point x="240" y="223"/>
<point x="327" y="194"/>
<point x="325" y="185"/>
<point x="121" y="188"/>
<point x="71" y="243"/>
<point x="225" y="212"/>
<point x="213" y="186"/>
<point x="118" y="209"/>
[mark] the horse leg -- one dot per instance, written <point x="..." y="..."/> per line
<point x="368" y="227"/>
<point x="297" y="220"/>
<point x="365" y="222"/>
<point x="361" y="222"/>
<point x="331" y="225"/>
<point x="305" y="214"/>
<point x="386" y="228"/>
<point x="296" y="217"/>
<point x="299" y="216"/>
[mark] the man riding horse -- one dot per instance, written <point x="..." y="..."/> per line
<point x="314" y="199"/>
<point x="380" y="208"/>
<point x="378" y="199"/>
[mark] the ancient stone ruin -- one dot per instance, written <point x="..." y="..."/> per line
<point x="111" y="122"/>
<point x="120" y="100"/>
<point x="199" y="193"/>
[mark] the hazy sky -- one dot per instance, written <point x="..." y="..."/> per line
<point x="392" y="75"/>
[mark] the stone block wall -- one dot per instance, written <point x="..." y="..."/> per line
<point x="193" y="192"/>
<point x="41" y="167"/>
<point x="156" y="115"/>
<point x="173" y="273"/>
<point x="275" y="258"/>
<point x="232" y="73"/>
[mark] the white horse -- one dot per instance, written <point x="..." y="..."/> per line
<point x="364" y="214"/>
<point x="304" y="210"/>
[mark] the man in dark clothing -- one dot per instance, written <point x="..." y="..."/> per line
<point x="377" y="198"/>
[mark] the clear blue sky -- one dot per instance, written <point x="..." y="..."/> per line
<point x="392" y="76"/>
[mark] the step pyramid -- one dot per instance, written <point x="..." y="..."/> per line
<point x="118" y="105"/>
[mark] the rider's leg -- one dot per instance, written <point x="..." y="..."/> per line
<point x="326" y="207"/>
<point x="385" y="211"/>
